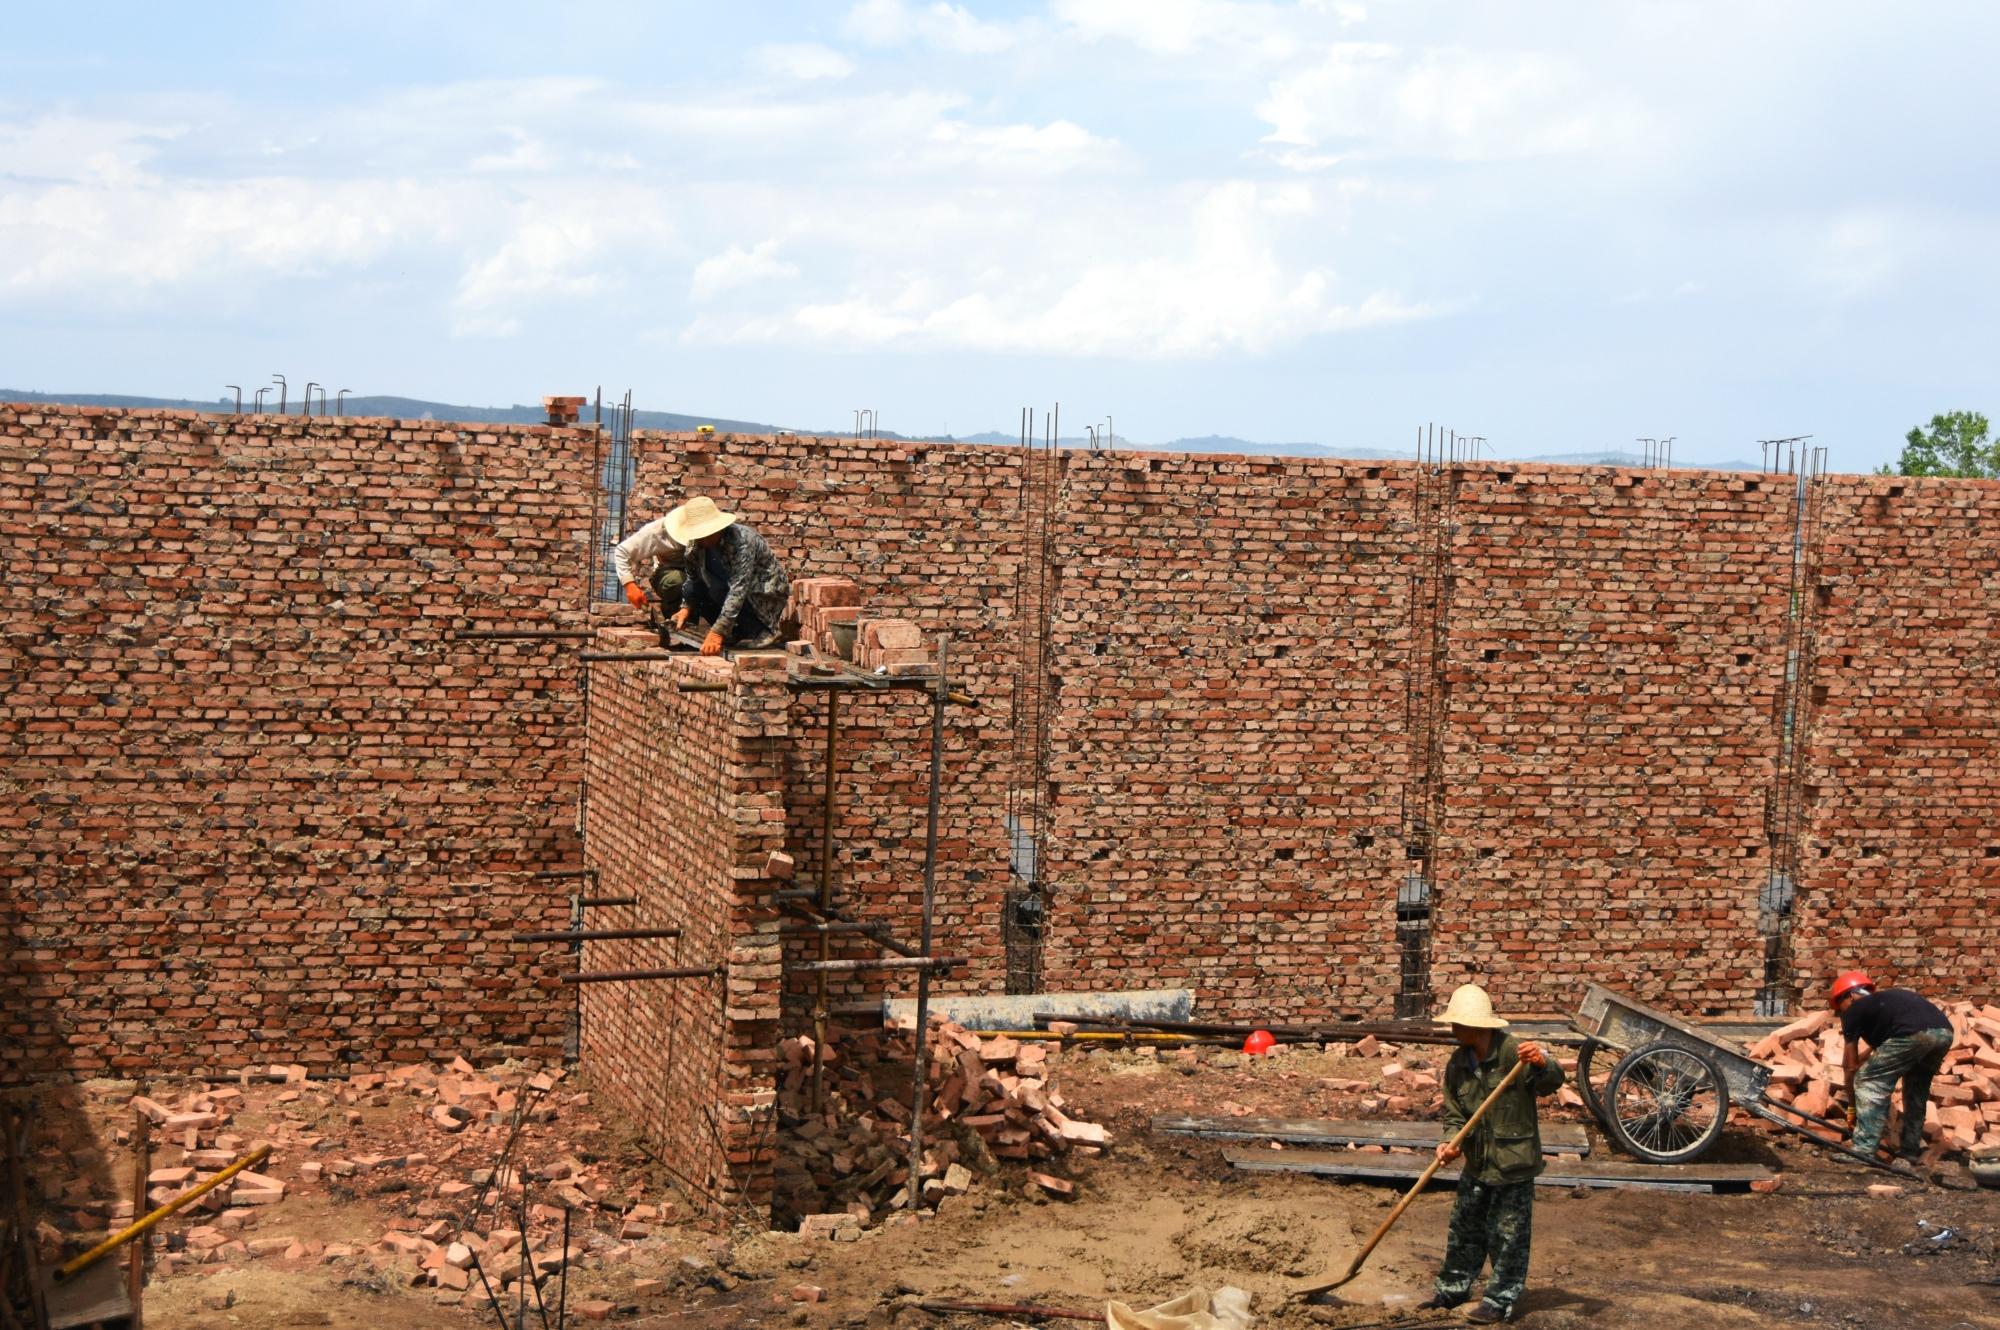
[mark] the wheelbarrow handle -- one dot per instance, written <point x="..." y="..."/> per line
<point x="1423" y="1180"/>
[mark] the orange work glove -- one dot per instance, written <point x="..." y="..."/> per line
<point x="681" y="617"/>
<point x="1532" y="1054"/>
<point x="636" y="594"/>
<point x="712" y="644"/>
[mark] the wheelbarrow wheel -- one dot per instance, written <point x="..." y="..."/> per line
<point x="1584" y="1088"/>
<point x="1666" y="1105"/>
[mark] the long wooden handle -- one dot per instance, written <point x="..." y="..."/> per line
<point x="1423" y="1180"/>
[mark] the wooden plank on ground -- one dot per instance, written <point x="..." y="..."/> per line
<point x="1557" y="1137"/>
<point x="1619" y="1173"/>
<point x="96" y="1296"/>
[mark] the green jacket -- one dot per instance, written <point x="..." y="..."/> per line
<point x="1506" y="1146"/>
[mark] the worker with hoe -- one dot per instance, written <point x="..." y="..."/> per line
<point x="729" y="578"/>
<point x="649" y="553"/>
<point x="1492" y="1217"/>
<point x="1907" y="1039"/>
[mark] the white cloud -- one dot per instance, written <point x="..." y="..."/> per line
<point x="737" y="266"/>
<point x="127" y="242"/>
<point x="804" y="61"/>
<point x="1369" y="100"/>
<point x="1214" y="282"/>
<point x="1057" y="146"/>
<point x="73" y="148"/>
<point x="947" y="26"/>
<point x="1189" y="27"/>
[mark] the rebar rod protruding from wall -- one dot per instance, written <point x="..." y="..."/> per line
<point x="340" y="402"/>
<point x="825" y="895"/>
<point x="239" y="396"/>
<point x="919" y="1079"/>
<point x="283" y="387"/>
<point x="1786" y="823"/>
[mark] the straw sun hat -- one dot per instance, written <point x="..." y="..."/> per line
<point x="696" y="519"/>
<point x="1470" y="1006"/>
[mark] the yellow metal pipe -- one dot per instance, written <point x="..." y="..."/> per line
<point x="119" y="1239"/>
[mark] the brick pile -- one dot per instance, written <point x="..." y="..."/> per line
<point x="820" y="602"/>
<point x="1964" y="1115"/>
<point x="1901" y="860"/>
<point x="991" y="1103"/>
<point x="1615" y="658"/>
<point x="258" y="802"/>
<point x="686" y="814"/>
<point x="892" y="646"/>
<point x="423" y="1142"/>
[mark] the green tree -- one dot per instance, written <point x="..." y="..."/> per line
<point x="1956" y="444"/>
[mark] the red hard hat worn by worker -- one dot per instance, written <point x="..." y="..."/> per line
<point x="1847" y="983"/>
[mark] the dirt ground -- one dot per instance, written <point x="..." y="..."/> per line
<point x="1159" y="1215"/>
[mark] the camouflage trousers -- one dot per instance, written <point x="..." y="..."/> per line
<point x="1489" y="1219"/>
<point x="1911" y="1058"/>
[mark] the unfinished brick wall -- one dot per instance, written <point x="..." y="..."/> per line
<point x="258" y="806"/>
<point x="929" y="533"/>
<point x="686" y="807"/>
<point x="1901" y="854"/>
<point x="1230" y="640"/>
<point x="1616" y="652"/>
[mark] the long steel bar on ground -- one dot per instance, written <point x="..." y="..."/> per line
<point x="884" y="963"/>
<point x="593" y="934"/>
<point x="819" y="1014"/>
<point x="606" y="976"/>
<point x="588" y="901"/>
<point x="919" y="1080"/>
<point x="551" y="874"/>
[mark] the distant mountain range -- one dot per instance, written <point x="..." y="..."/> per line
<point x="412" y="408"/>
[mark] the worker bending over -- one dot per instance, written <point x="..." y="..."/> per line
<point x="1492" y="1217"/>
<point x="649" y="553"/>
<point x="730" y="578"/>
<point x="1907" y="1038"/>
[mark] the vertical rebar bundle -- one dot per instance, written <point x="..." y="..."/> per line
<point x="1425" y="710"/>
<point x="1027" y="787"/>
<point x="1785" y="823"/>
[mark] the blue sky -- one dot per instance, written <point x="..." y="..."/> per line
<point x="1558" y="225"/>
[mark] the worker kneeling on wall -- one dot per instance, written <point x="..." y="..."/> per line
<point x="1492" y="1217"/>
<point x="731" y="579"/>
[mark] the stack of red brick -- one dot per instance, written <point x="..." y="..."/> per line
<point x="1965" y="1097"/>
<point x="895" y="646"/>
<point x="990" y="1102"/>
<point x="820" y="602"/>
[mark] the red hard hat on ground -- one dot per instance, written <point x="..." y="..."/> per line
<point x="1259" y="1041"/>
<point x="1847" y="983"/>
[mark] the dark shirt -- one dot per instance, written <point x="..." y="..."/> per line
<point x="1890" y="1014"/>
<point x="740" y="568"/>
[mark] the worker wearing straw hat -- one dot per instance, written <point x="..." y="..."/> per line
<point x="730" y="578"/>
<point x="1496" y="1187"/>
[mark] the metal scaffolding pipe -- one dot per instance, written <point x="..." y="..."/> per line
<point x="594" y="934"/>
<point x="519" y="634"/>
<point x="919" y="1080"/>
<point x="607" y="976"/>
<point x="883" y="963"/>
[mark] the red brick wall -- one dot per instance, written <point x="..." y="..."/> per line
<point x="685" y="808"/>
<point x="257" y="806"/>
<point x="1616" y="656"/>
<point x="929" y="533"/>
<point x="1230" y="646"/>
<point x="1902" y="845"/>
